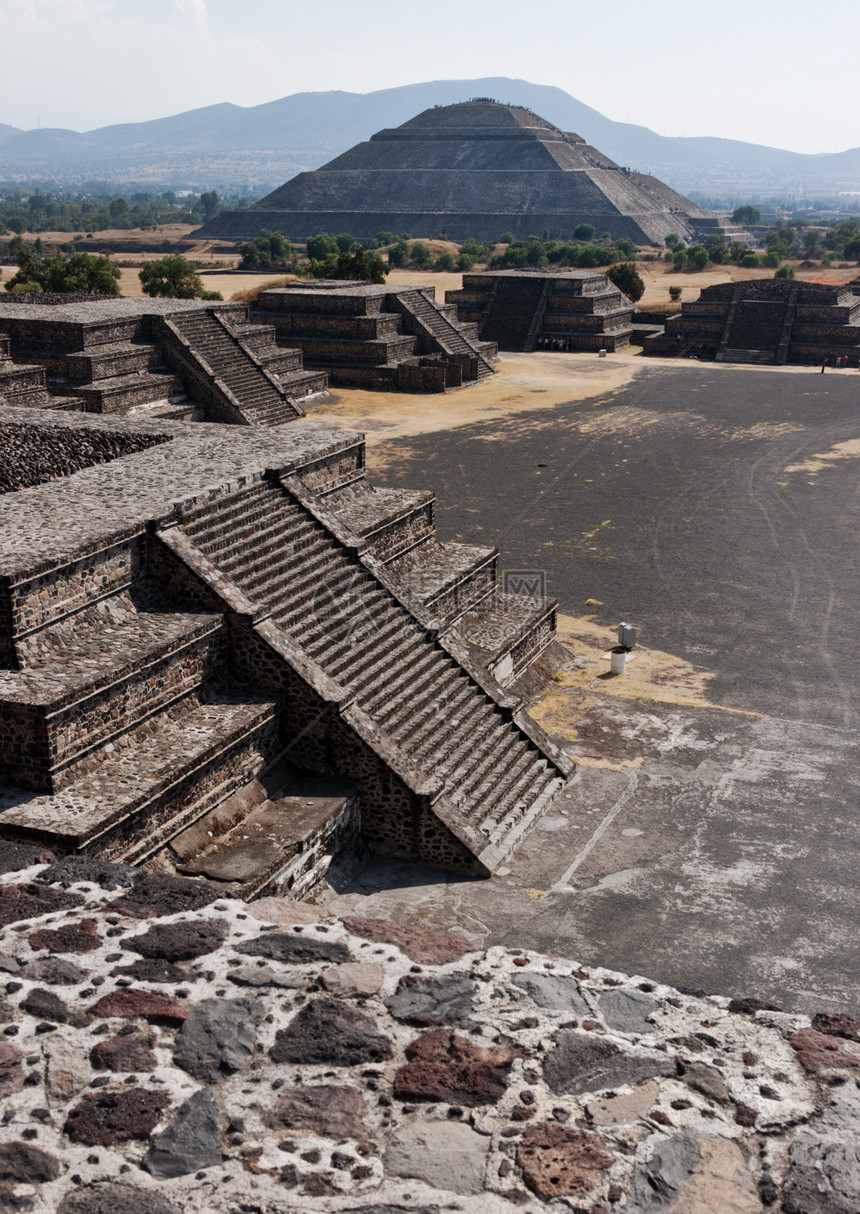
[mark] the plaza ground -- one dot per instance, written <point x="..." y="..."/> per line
<point x="710" y="835"/>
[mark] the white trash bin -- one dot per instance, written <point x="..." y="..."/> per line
<point x="617" y="659"/>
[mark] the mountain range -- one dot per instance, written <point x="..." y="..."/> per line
<point x="230" y="147"/>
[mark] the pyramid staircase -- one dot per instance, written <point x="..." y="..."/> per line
<point x="510" y="312"/>
<point x="220" y="353"/>
<point x="754" y="332"/>
<point x="432" y="322"/>
<point x="477" y="767"/>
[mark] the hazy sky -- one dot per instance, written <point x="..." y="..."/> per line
<point x="778" y="72"/>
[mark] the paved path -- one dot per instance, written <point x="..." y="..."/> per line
<point x="714" y="846"/>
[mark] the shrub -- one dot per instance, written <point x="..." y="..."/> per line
<point x="750" y="261"/>
<point x="319" y="247"/>
<point x="771" y="258"/>
<point x="674" y="294"/>
<point x="506" y="238"/>
<point x="465" y="262"/>
<point x="420" y="254"/>
<point x="746" y="214"/>
<point x="785" y="272"/>
<point x="446" y="261"/>
<point x="627" y="278"/>
<point x="697" y="257"/>
<point x="679" y="257"/>
<point x="584" y="231"/>
<point x="345" y="242"/>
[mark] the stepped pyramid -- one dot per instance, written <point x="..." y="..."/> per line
<point x="478" y="168"/>
<point x="222" y="651"/>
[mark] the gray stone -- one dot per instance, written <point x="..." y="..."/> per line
<point x="445" y="1154"/>
<point x="243" y="862"/>
<point x="97" y="872"/>
<point x="56" y="971"/>
<point x="180" y="941"/>
<point x="626" y="1011"/>
<point x="328" y="1031"/>
<point x="295" y="949"/>
<point x="253" y="975"/>
<point x="15" y="857"/>
<point x="217" y="1038"/>
<point x="354" y="979"/>
<point x="192" y="1140"/>
<point x="706" y="1080"/>
<point x="582" y="1062"/>
<point x="333" y="1110"/>
<point x="658" y="1182"/>
<point x="823" y="1176"/>
<point x="21" y="1161"/>
<point x="433" y="1000"/>
<point x="67" y="1071"/>
<point x="114" y="1199"/>
<point x="553" y="993"/>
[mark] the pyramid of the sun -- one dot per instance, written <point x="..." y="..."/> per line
<point x="475" y="169"/>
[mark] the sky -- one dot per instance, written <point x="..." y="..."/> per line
<point x="778" y="73"/>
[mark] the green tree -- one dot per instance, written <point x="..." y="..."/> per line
<point x="675" y="293"/>
<point x="118" y="208"/>
<point x="421" y="254"/>
<point x="851" y="249"/>
<point x="345" y="242"/>
<point x="83" y="274"/>
<point x="771" y="258"/>
<point x="584" y="231"/>
<point x="785" y="272"/>
<point x="465" y="262"/>
<point x="679" y="258"/>
<point x="172" y="277"/>
<point x="319" y="247"/>
<point x="746" y="214"/>
<point x="472" y="248"/>
<point x="697" y="257"/>
<point x="398" y="254"/>
<point x="750" y="261"/>
<point x="445" y="261"/>
<point x="209" y="205"/>
<point x="361" y="266"/>
<point x="673" y="240"/>
<point x="384" y="239"/>
<point x="627" y="278"/>
<point x="506" y="238"/>
<point x="811" y="241"/>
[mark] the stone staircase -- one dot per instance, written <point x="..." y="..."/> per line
<point x="508" y="317"/>
<point x="124" y="721"/>
<point x="424" y="713"/>
<point x="754" y="330"/>
<point x="261" y="399"/>
<point x="450" y="338"/>
<point x="21" y="385"/>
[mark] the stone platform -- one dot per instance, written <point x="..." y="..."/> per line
<point x="168" y="1047"/>
<point x="194" y="618"/>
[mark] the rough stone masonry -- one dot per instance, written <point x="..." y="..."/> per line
<point x="166" y="1048"/>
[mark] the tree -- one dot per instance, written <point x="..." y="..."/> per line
<point x="627" y="278"/>
<point x="420" y="254"/>
<point x="811" y="239"/>
<point x="361" y="266"/>
<point x="264" y="250"/>
<point x="83" y="274"/>
<point x="852" y="249"/>
<point x="173" y="277"/>
<point x="118" y="208"/>
<point x="465" y="262"/>
<point x="675" y="293"/>
<point x="320" y="246"/>
<point x="697" y="257"/>
<point x="785" y="272"/>
<point x="679" y="258"/>
<point x="398" y="254"/>
<point x="209" y="205"/>
<point x="445" y="261"/>
<point x="746" y="214"/>
<point x="345" y="242"/>
<point x="584" y="231"/>
<point x="506" y="238"/>
<point x="750" y="261"/>
<point x="673" y="240"/>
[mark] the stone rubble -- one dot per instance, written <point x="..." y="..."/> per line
<point x="166" y="1048"/>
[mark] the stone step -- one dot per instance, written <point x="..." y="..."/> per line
<point x="199" y="519"/>
<point x="173" y="770"/>
<point x="120" y="393"/>
<point x="82" y="705"/>
<point x="437" y="716"/>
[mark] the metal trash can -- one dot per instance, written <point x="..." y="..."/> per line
<point x="617" y="659"/>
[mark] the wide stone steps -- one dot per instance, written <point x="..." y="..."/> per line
<point x="87" y="701"/>
<point x="323" y="598"/>
<point x="171" y="771"/>
<point x="224" y="353"/>
<point x="118" y="394"/>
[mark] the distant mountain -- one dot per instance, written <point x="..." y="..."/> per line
<point x="230" y="147"/>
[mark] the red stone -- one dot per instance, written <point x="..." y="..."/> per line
<point x="149" y="1004"/>
<point x="426" y="946"/>
<point x="559" y="1161"/>
<point x="103" y="1118"/>
<point x="29" y="900"/>
<point x="331" y="1110"/>
<point x="817" y="1051"/>
<point x="837" y="1025"/>
<point x="124" y="1053"/>
<point x="80" y="937"/>
<point x="446" y="1067"/>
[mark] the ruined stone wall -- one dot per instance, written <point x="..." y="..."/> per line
<point x="33" y="454"/>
